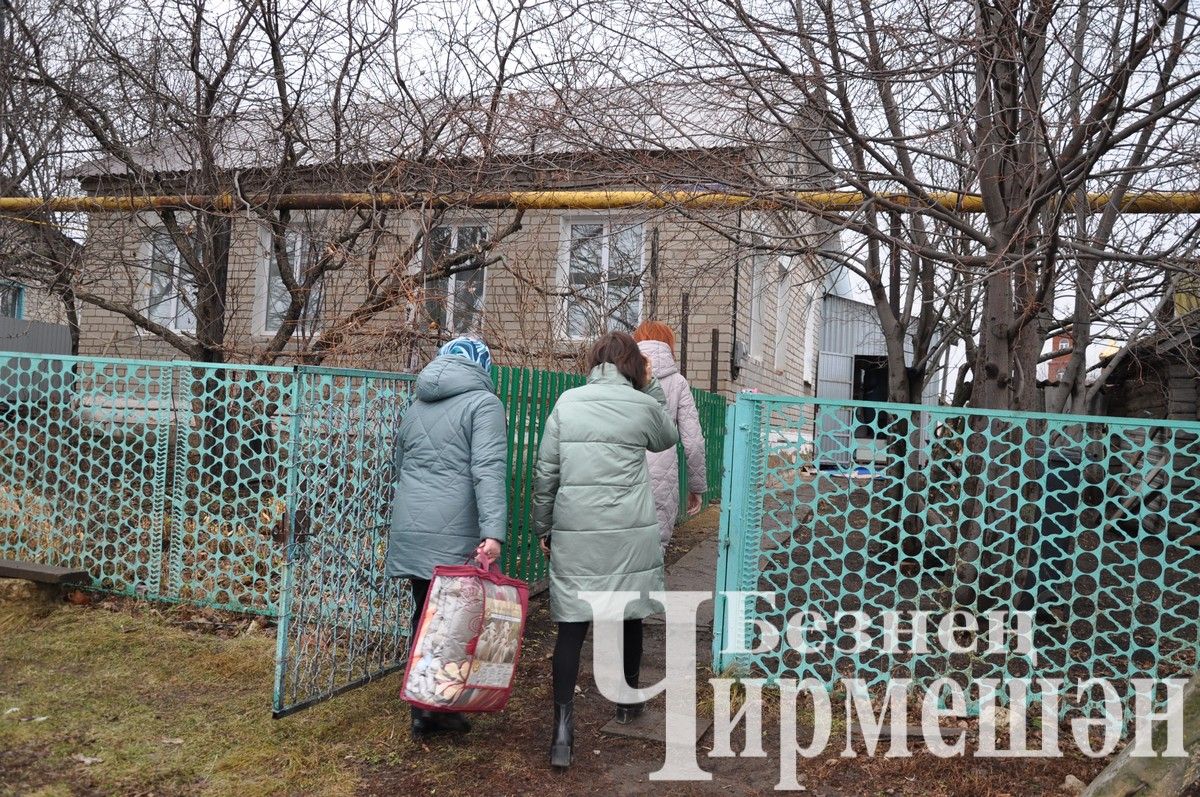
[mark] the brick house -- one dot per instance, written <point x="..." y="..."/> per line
<point x="1057" y="365"/>
<point x="744" y="315"/>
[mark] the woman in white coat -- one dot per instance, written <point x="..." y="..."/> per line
<point x="657" y="343"/>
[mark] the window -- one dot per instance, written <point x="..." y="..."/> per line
<point x="172" y="299"/>
<point x="455" y="303"/>
<point x="1064" y="344"/>
<point x="12" y="300"/>
<point x="301" y="254"/>
<point x="604" y="277"/>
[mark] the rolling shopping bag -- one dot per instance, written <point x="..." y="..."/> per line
<point x="468" y="640"/>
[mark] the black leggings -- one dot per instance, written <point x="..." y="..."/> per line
<point x="569" y="645"/>
<point x="420" y="588"/>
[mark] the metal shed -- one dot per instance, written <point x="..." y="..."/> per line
<point x="28" y="380"/>
<point x="852" y="364"/>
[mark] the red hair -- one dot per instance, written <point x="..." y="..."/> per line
<point x="655" y="330"/>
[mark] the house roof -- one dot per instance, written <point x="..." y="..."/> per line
<point x="644" y="117"/>
<point x="1178" y="337"/>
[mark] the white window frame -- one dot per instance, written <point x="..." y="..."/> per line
<point x="757" y="310"/>
<point x="452" y="279"/>
<point x="153" y="233"/>
<point x="783" y="314"/>
<point x="608" y="222"/>
<point x="310" y="319"/>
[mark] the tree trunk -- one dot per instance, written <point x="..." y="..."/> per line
<point x="992" y="388"/>
<point x="212" y="286"/>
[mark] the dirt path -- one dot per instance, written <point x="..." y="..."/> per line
<point x="509" y="752"/>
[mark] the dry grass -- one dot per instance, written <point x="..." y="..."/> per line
<point x="167" y="711"/>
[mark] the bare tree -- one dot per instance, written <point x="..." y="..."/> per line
<point x="254" y="101"/>
<point x="1029" y="107"/>
<point x="39" y="249"/>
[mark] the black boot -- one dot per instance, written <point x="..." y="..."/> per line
<point x="564" y="735"/>
<point x="628" y="712"/>
<point x="453" y="722"/>
<point x="423" y="723"/>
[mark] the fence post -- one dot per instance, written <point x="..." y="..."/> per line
<point x="683" y="333"/>
<point x="285" y="592"/>
<point x="731" y="535"/>
<point x="713" y="356"/>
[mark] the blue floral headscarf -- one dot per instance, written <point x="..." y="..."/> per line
<point x="472" y="349"/>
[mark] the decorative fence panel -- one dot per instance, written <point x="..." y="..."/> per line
<point x="160" y="479"/>
<point x="1087" y="523"/>
<point x="227" y="500"/>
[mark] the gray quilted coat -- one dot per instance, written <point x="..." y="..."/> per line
<point x="664" y="466"/>
<point x="450" y="470"/>
<point x="592" y="492"/>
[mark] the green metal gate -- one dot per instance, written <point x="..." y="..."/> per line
<point x="1088" y="523"/>
<point x="342" y="621"/>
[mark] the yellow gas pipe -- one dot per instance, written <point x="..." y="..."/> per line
<point x="1170" y="202"/>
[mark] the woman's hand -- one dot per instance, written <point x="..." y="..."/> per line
<point x="489" y="549"/>
<point x="649" y="369"/>
<point x="695" y="503"/>
<point x="544" y="543"/>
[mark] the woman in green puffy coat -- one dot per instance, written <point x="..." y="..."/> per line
<point x="593" y="510"/>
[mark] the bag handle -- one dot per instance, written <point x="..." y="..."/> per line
<point x="484" y="562"/>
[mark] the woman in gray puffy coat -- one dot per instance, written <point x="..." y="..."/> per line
<point x="594" y="513"/>
<point x="657" y="343"/>
<point x="451" y="500"/>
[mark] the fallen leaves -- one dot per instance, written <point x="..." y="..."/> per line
<point x="79" y="597"/>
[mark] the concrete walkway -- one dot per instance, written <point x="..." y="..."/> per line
<point x="695" y="571"/>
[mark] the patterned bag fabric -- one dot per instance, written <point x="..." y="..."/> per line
<point x="468" y="641"/>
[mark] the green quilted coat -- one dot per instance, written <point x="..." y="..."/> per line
<point x="592" y="494"/>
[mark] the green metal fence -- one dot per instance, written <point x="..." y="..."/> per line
<point x="1087" y="523"/>
<point x="528" y="395"/>
<point x="247" y="488"/>
<point x="163" y="480"/>
<point x="711" y="408"/>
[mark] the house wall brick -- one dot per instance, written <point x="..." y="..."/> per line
<point x="40" y="305"/>
<point x="523" y="311"/>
